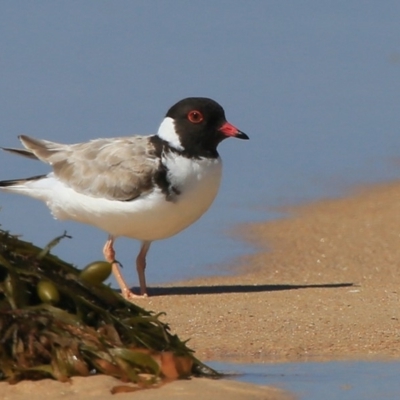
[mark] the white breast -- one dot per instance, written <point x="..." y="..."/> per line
<point x="150" y="217"/>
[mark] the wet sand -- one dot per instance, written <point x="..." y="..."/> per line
<point x="324" y="284"/>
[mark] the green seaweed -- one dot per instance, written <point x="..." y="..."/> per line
<point x="92" y="328"/>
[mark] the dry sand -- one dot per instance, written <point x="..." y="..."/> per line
<point x="98" y="388"/>
<point x="324" y="284"/>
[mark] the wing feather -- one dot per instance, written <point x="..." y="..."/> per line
<point x="116" y="169"/>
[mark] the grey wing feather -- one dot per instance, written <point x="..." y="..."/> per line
<point x="116" y="169"/>
<point x="20" y="152"/>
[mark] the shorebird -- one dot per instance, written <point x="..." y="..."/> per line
<point x="142" y="187"/>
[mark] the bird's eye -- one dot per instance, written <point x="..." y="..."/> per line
<point x="195" y="116"/>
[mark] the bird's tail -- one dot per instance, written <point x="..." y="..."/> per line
<point x="20" y="152"/>
<point x="38" y="149"/>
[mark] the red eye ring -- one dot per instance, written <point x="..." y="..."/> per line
<point x="195" y="116"/>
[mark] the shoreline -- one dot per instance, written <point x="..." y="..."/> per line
<point x="323" y="283"/>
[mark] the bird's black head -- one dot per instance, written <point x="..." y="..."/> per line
<point x="196" y="125"/>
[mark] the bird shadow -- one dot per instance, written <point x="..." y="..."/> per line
<point x="220" y="289"/>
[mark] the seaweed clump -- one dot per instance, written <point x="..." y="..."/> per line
<point x="54" y="324"/>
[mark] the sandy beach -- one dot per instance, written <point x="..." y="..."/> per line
<point x="98" y="388"/>
<point x="324" y="284"/>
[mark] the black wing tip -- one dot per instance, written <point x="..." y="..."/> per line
<point x="10" y="182"/>
<point x="13" y="182"/>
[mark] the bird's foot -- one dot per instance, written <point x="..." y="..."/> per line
<point x="128" y="295"/>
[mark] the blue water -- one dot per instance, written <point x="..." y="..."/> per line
<point x="334" y="380"/>
<point x="316" y="86"/>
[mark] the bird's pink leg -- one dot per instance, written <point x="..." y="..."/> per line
<point x="141" y="266"/>
<point x="109" y="255"/>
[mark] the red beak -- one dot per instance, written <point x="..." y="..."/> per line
<point x="229" y="130"/>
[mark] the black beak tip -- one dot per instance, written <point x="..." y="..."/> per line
<point x="242" y="135"/>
